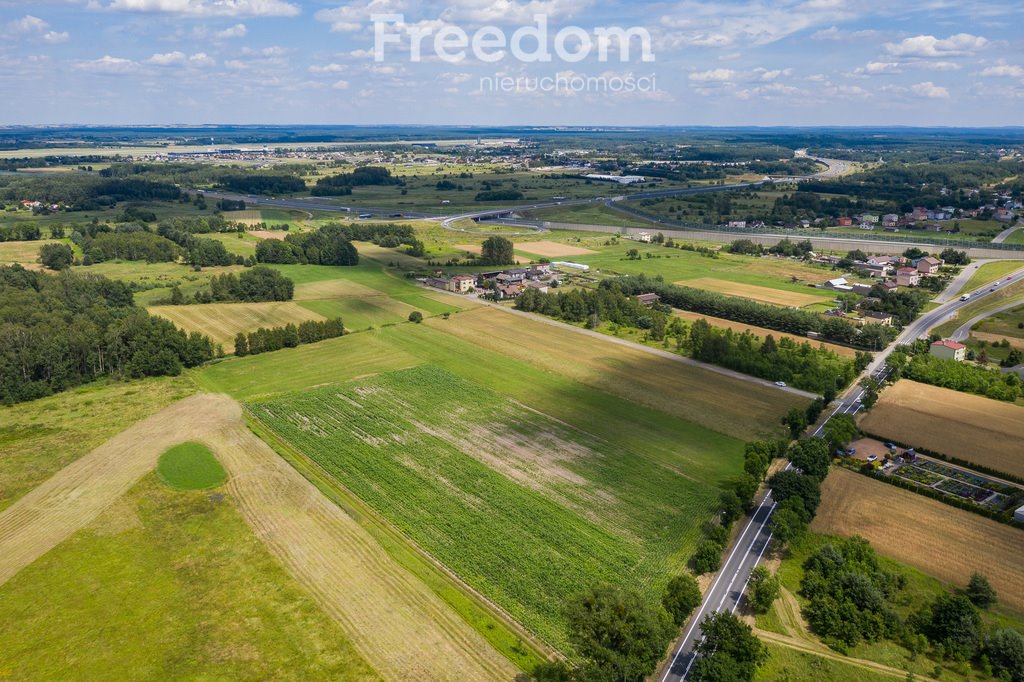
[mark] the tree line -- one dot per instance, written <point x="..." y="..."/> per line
<point x="60" y="331"/>
<point x="798" y="322"/>
<point x="799" y="364"/>
<point x="289" y="336"/>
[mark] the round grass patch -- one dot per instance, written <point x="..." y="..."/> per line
<point x="190" y="466"/>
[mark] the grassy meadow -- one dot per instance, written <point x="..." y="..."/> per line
<point x="168" y="584"/>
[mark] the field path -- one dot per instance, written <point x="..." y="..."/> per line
<point x="825" y="652"/>
<point x="402" y="628"/>
<point x="79" y="492"/>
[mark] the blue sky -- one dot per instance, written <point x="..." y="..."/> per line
<point x="748" y="62"/>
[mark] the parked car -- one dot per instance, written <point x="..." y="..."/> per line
<point x="852" y="451"/>
<point x="780" y="383"/>
<point x="872" y="458"/>
<point x="890" y="446"/>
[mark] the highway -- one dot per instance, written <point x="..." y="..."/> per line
<point x="729" y="585"/>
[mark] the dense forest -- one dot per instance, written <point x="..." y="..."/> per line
<point x="59" y="331"/>
<point x="329" y="245"/>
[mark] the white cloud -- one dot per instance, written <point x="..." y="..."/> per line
<point x="35" y="28"/>
<point x="834" y="33"/>
<point x="928" y="47"/>
<point x="697" y="23"/>
<point x="201" y="59"/>
<point x="328" y="68"/>
<point x="930" y="90"/>
<point x="108" y="64"/>
<point x="356" y="15"/>
<point x="208" y="8"/>
<point x="341" y="85"/>
<point x="713" y="76"/>
<point x="1010" y="70"/>
<point x="27" y="24"/>
<point x="56" y="37"/>
<point x="877" y="69"/>
<point x="167" y="58"/>
<point x="772" y="74"/>
<point x="236" y="31"/>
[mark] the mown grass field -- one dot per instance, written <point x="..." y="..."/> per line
<point x="974" y="428"/>
<point x="190" y="466"/>
<point x="785" y="663"/>
<point x="526" y="508"/>
<point x="587" y="214"/>
<point x="689" y="267"/>
<point x="222" y="321"/>
<point x="39" y="438"/>
<point x="167" y="585"/>
<point x="23" y="253"/>
<point x="788" y="299"/>
<point x="935" y="538"/>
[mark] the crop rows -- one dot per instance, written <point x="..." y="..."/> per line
<point x="526" y="509"/>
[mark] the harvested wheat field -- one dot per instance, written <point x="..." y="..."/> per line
<point x="398" y="625"/>
<point x="933" y="537"/>
<point x="760" y="294"/>
<point x="279" y="235"/>
<point x="250" y="216"/>
<point x="722" y="403"/>
<point x="553" y="249"/>
<point x="476" y="249"/>
<point x="841" y="351"/>
<point x="976" y="429"/>
<point x="221" y="321"/>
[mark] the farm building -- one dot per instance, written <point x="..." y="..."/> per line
<point x="1018" y="515"/>
<point x="648" y="299"/>
<point x="948" y="350"/>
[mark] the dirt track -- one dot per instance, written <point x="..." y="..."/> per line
<point x="402" y="629"/>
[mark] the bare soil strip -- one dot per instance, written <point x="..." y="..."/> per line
<point x="402" y="628"/>
<point x="77" y="494"/>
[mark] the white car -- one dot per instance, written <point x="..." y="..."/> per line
<point x="872" y="458"/>
<point x="780" y="383"/>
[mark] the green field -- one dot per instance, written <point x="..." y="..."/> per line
<point x="1006" y="294"/>
<point x="526" y="508"/>
<point x="588" y="214"/>
<point x="676" y="265"/>
<point x="1007" y="323"/>
<point x="39" y="438"/>
<point x="190" y="466"/>
<point x="990" y="272"/>
<point x="790" y="665"/>
<point x="167" y="585"/>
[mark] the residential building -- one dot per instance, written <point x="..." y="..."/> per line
<point x="908" y="277"/>
<point x="948" y="350"/>
<point x="844" y="221"/>
<point x="890" y="220"/>
<point x="884" y="319"/>
<point x="461" y="284"/>
<point x="928" y="265"/>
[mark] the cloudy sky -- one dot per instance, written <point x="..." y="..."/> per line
<point x="759" y="62"/>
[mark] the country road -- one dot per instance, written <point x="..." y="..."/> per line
<point x="745" y="553"/>
<point x="964" y="330"/>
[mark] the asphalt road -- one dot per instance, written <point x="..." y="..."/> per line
<point x="730" y="583"/>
